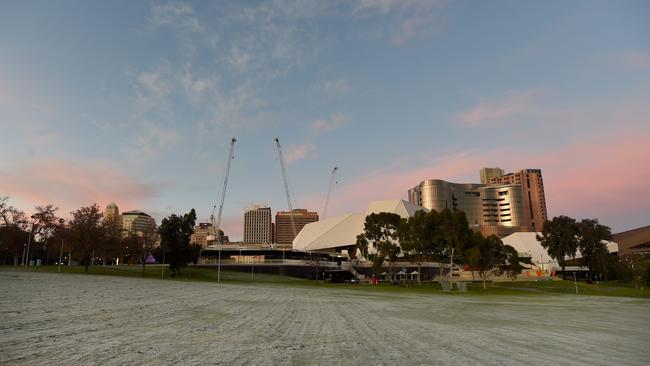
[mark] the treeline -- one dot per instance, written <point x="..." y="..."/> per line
<point x="445" y="237"/>
<point x="433" y="236"/>
<point x="90" y="239"/>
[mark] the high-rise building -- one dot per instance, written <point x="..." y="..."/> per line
<point x="436" y="194"/>
<point x="283" y="230"/>
<point x="532" y="186"/>
<point x="258" y="225"/>
<point x="488" y="173"/>
<point x="494" y="210"/>
<point x="112" y="213"/>
<point x="502" y="210"/>
<point x="201" y="234"/>
<point x="137" y="223"/>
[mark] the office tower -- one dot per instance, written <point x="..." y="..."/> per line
<point x="284" y="232"/>
<point x="532" y="186"/>
<point x="488" y="173"/>
<point x="258" y="225"/>
<point x="137" y="223"/>
<point x="436" y="194"/>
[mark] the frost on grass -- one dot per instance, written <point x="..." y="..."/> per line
<point x="72" y="319"/>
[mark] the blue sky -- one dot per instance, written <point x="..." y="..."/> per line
<point x="135" y="102"/>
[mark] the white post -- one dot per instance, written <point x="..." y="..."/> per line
<point x="29" y="242"/>
<point x="60" y="257"/>
<point x="219" y="267"/>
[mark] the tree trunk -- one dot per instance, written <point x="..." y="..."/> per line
<point x="419" y="274"/>
<point x="484" y="278"/>
<point x="87" y="262"/>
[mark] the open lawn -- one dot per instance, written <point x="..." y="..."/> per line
<point x="50" y="318"/>
<point x="475" y="289"/>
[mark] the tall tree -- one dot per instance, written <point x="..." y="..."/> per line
<point x="591" y="237"/>
<point x="559" y="238"/>
<point x="175" y="232"/>
<point x="13" y="232"/>
<point x="86" y="232"/>
<point x="417" y="236"/>
<point x="380" y="229"/>
<point x="454" y="236"/>
<point x="46" y="224"/>
<point x="492" y="255"/>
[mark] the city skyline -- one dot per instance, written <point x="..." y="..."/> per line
<point x="135" y="103"/>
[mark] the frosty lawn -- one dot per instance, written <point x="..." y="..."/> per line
<point x="49" y="318"/>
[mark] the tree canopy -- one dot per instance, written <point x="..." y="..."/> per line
<point x="175" y="232"/>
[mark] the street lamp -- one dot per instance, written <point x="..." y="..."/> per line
<point x="29" y="240"/>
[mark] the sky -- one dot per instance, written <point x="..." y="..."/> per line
<point x="135" y="102"/>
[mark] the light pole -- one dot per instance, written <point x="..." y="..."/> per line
<point x="219" y="267"/>
<point x="60" y="257"/>
<point x="29" y="240"/>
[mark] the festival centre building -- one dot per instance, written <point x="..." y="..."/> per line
<point x="339" y="234"/>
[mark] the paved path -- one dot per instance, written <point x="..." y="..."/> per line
<point x="73" y="319"/>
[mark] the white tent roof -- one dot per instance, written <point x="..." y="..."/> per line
<point x="526" y="244"/>
<point x="330" y="233"/>
<point x="342" y="231"/>
<point x="403" y="208"/>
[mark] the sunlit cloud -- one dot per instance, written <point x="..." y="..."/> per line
<point x="304" y="151"/>
<point x="639" y="59"/>
<point x="330" y="123"/>
<point x="496" y="111"/>
<point x="72" y="184"/>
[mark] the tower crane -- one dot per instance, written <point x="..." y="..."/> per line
<point x="329" y="190"/>
<point x="286" y="185"/>
<point x="217" y="224"/>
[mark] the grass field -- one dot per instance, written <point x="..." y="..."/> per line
<point x="474" y="289"/>
<point x="49" y="318"/>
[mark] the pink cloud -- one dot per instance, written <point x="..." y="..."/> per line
<point x="71" y="185"/>
<point x="604" y="177"/>
<point x="511" y="104"/>
<point x="635" y="59"/>
<point x="335" y="121"/>
<point x="299" y="152"/>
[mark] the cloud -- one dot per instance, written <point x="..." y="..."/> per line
<point x="639" y="59"/>
<point x="597" y="169"/>
<point x="413" y="17"/>
<point x="334" y="122"/>
<point x="175" y="14"/>
<point x="72" y="184"/>
<point x="296" y="153"/>
<point x="153" y="82"/>
<point x="150" y="141"/>
<point x="331" y="87"/>
<point x="488" y="112"/>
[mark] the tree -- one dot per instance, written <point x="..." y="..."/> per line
<point x="86" y="232"/>
<point x="380" y="230"/>
<point x="591" y="237"/>
<point x="145" y="242"/>
<point x="46" y="224"/>
<point x="492" y="256"/>
<point x="559" y="238"/>
<point x="114" y="244"/>
<point x="13" y="232"/>
<point x="175" y="232"/>
<point x="454" y="237"/>
<point x="416" y="237"/>
<point x="513" y="266"/>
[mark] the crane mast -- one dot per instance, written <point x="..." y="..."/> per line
<point x="329" y="191"/>
<point x="286" y="186"/>
<point x="217" y="224"/>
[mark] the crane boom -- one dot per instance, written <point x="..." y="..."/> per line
<point x="217" y="224"/>
<point x="329" y="191"/>
<point x="286" y="185"/>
